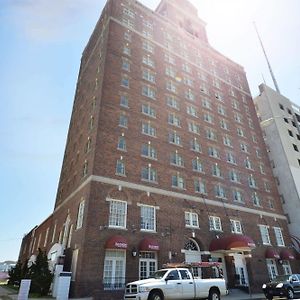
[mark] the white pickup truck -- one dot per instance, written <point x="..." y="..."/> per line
<point x="175" y="283"/>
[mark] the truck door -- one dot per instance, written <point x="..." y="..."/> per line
<point x="173" y="287"/>
<point x="188" y="288"/>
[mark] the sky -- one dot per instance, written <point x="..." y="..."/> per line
<point x="41" y="46"/>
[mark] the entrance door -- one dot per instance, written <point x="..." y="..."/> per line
<point x="192" y="254"/>
<point x="240" y="269"/>
<point x="148" y="264"/>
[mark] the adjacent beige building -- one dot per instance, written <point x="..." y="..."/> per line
<point x="280" y="122"/>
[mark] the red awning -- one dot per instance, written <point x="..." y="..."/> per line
<point x="286" y="255"/>
<point x="148" y="244"/>
<point x="116" y="242"/>
<point x="232" y="242"/>
<point x="272" y="253"/>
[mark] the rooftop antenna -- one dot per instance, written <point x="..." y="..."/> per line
<point x="269" y="65"/>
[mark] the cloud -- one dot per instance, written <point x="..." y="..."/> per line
<point x="44" y="20"/>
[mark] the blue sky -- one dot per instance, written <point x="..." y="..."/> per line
<point x="41" y="46"/>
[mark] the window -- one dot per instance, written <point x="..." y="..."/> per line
<point x="148" y="24"/>
<point x="234" y="176"/>
<point x="122" y="143"/>
<point x="176" y="159"/>
<point x="295" y="148"/>
<point x="230" y="157"/>
<point x="147" y="33"/>
<point x="216" y="170"/>
<point x="227" y="141"/>
<point x="197" y="165"/>
<point x="88" y="145"/>
<point x="191" y="219"/>
<point x="170" y="71"/>
<point x="125" y="81"/>
<point x="216" y="83"/>
<point x="148" y="218"/>
<point x="206" y="103"/>
<point x="173" y="119"/>
<point x="149" y="47"/>
<point x="148" y="91"/>
<point x="255" y="199"/>
<point x="262" y="169"/>
<point x="126" y="50"/>
<point x="251" y="181"/>
<point x="186" y="68"/>
<point x="80" y="214"/>
<point x="236" y="226"/>
<point x="85" y="168"/>
<point x="238" y="118"/>
<point x="125" y="64"/>
<point x="189" y="95"/>
<point x="200" y="186"/>
<point x="149" y="151"/>
<point x="117" y="213"/>
<point x="272" y="268"/>
<point x="204" y="89"/>
<point x="188" y="81"/>
<point x="248" y="163"/>
<point x="193" y="127"/>
<point x="128" y="22"/>
<point x="208" y="118"/>
<point x="238" y="196"/>
<point x="221" y="110"/>
<point x="235" y="104"/>
<point x="211" y="134"/>
<point x="148" y="129"/>
<point x="172" y="102"/>
<point x="290" y="133"/>
<point x="191" y="110"/>
<point x="120" y="167"/>
<point x="149" y="174"/>
<point x="128" y="12"/>
<point x="149" y="76"/>
<point x="278" y="236"/>
<point x="244" y="147"/>
<point x="220" y="191"/>
<point x="123" y="121"/>
<point x="224" y="124"/>
<point x="124" y="100"/>
<point x="281" y="106"/>
<point x="171" y="86"/>
<point x="147" y="60"/>
<point x="127" y="36"/>
<point x="148" y="110"/>
<point x="114" y="269"/>
<point x="215" y="223"/>
<point x="169" y="59"/>
<point x="213" y="152"/>
<point x="195" y="146"/>
<point x="240" y="132"/>
<point x="264" y="232"/>
<point x="178" y="181"/>
<point x="174" y="138"/>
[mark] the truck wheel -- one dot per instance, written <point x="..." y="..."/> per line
<point x="214" y="295"/>
<point x="156" y="296"/>
<point x="290" y="294"/>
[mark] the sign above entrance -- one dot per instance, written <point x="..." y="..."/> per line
<point x="234" y="242"/>
<point x="116" y="242"/>
<point x="148" y="244"/>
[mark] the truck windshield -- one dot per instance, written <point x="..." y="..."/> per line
<point x="159" y="274"/>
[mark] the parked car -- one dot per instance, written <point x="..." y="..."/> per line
<point x="284" y="285"/>
<point x="175" y="283"/>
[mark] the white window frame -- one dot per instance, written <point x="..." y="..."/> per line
<point x="80" y="214"/>
<point x="117" y="214"/>
<point x="149" y="218"/>
<point x="279" y="236"/>
<point x="215" y="223"/>
<point x="191" y="219"/>
<point x="264" y="233"/>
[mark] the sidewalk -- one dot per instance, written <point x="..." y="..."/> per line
<point x="236" y="294"/>
<point x="9" y="294"/>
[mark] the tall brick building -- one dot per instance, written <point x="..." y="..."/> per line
<point x="164" y="161"/>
